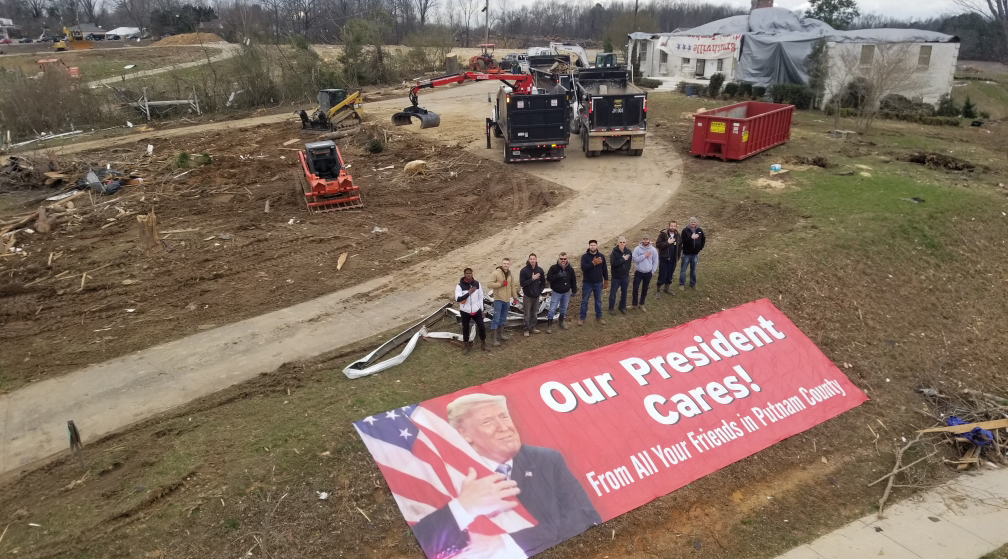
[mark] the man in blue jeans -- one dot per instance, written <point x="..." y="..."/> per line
<point x="692" y="239"/>
<point x="619" y="265"/>
<point x="505" y="290"/>
<point x="563" y="282"/>
<point x="668" y="247"/>
<point x="594" y="278"/>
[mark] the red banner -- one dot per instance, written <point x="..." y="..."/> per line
<point x="511" y="467"/>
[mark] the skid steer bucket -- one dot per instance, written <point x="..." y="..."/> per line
<point x="427" y="119"/>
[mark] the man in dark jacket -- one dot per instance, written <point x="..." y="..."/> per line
<point x="594" y="278"/>
<point x="563" y="282"/>
<point x="533" y="281"/>
<point x="669" y="248"/>
<point x="693" y="240"/>
<point x="619" y="262"/>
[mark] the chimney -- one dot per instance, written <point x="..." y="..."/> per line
<point x="756" y="4"/>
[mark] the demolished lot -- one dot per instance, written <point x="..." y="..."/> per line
<point x="90" y="288"/>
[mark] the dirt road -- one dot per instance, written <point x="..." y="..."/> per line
<point x="613" y="194"/>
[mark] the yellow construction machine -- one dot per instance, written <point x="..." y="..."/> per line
<point x="337" y="108"/>
<point x="72" y="40"/>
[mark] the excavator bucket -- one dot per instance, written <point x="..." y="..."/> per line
<point x="427" y="119"/>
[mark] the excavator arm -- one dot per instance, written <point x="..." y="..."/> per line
<point x="520" y="83"/>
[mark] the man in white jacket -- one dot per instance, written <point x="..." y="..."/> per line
<point x="645" y="257"/>
<point x="469" y="295"/>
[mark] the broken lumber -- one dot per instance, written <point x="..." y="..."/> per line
<point x="966" y="428"/>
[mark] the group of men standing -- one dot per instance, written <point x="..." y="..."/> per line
<point x="670" y="246"/>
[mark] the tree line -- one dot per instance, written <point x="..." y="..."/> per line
<point x="461" y="21"/>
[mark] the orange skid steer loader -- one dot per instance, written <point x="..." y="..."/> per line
<point x="325" y="181"/>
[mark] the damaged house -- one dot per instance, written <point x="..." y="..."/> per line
<point x="774" y="45"/>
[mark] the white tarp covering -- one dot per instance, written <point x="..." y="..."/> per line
<point x="776" y="42"/>
<point x="125" y="32"/>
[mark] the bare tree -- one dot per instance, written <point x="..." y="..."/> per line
<point x="137" y="12"/>
<point x="892" y="69"/>
<point x="880" y="70"/>
<point x="995" y="10"/>
<point x="89" y="10"/>
<point x="842" y="68"/>
<point x="36" y="8"/>
<point x="423" y="8"/>
<point x="468" y="10"/>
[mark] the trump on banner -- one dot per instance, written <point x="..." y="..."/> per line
<point x="469" y="487"/>
<point x="518" y="464"/>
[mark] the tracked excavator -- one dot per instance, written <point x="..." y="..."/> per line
<point x="337" y="109"/>
<point x="534" y="122"/>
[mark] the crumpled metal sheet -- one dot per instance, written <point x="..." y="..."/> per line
<point x="371" y="363"/>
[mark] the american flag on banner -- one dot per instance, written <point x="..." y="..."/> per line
<point x="424" y="460"/>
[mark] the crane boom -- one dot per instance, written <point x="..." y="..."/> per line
<point x="520" y="83"/>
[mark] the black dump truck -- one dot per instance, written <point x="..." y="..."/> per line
<point x="609" y="111"/>
<point x="535" y="126"/>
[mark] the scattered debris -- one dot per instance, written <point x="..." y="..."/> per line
<point x="341" y="261"/>
<point x="322" y="495"/>
<point x="379" y="229"/>
<point x="915" y="200"/>
<point x="817" y="161"/>
<point x="939" y="160"/>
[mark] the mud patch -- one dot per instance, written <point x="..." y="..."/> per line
<point x="755" y="213"/>
<point x="940" y="161"/>
<point x="815" y="161"/>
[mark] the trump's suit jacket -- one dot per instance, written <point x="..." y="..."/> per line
<point x="549" y="493"/>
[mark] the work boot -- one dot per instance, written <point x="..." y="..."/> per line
<point x="580" y="322"/>
<point x="681" y="287"/>
<point x="563" y="324"/>
<point x="549" y="326"/>
<point x="667" y="289"/>
<point x="600" y="320"/>
<point x="496" y="338"/>
<point x="535" y="330"/>
<point x="483" y="345"/>
<point x="612" y="312"/>
<point x="503" y="337"/>
<point x="623" y="310"/>
<point x="465" y="347"/>
<point x="643" y="309"/>
<point x="526" y="334"/>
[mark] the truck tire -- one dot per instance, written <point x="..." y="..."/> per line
<point x="584" y="145"/>
<point x="506" y="160"/>
<point x="497" y="132"/>
<point x="636" y="152"/>
<point x="576" y="126"/>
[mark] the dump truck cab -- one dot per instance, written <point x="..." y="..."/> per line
<point x="606" y="60"/>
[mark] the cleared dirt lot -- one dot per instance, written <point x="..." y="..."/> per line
<point x="225" y="259"/>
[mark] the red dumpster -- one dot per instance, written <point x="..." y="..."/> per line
<point x="740" y="130"/>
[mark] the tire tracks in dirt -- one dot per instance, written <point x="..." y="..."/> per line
<point x="613" y="194"/>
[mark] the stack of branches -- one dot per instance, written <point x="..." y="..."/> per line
<point x="974" y="424"/>
<point x="974" y="409"/>
<point x="28" y="172"/>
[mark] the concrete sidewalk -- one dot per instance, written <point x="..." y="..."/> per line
<point x="963" y="519"/>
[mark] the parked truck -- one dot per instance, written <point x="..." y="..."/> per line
<point x="534" y="122"/>
<point x="610" y="112"/>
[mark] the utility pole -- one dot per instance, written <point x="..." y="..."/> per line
<point x="635" y="15"/>
<point x="486" y="8"/>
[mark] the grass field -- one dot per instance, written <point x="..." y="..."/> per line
<point x="907" y="293"/>
<point x="106" y="63"/>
